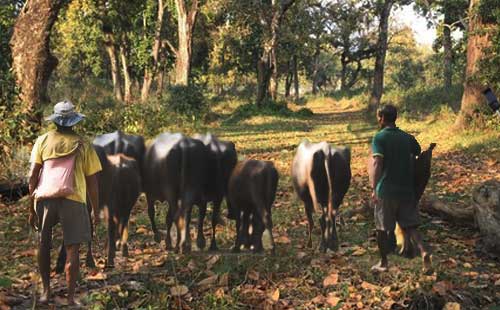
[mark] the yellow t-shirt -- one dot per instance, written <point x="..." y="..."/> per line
<point x="55" y="144"/>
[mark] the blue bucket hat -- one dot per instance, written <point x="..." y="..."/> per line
<point x="65" y="114"/>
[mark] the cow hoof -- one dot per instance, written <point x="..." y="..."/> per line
<point x="309" y="244"/>
<point x="125" y="251"/>
<point x="213" y="247"/>
<point x="201" y="243"/>
<point x="157" y="238"/>
<point x="110" y="264"/>
<point x="59" y="268"/>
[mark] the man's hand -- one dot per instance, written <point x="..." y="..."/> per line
<point x="375" y="199"/>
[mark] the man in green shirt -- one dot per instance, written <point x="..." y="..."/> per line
<point x="392" y="178"/>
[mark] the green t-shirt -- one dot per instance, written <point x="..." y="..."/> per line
<point x="398" y="150"/>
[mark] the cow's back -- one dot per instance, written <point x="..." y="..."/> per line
<point x="162" y="166"/>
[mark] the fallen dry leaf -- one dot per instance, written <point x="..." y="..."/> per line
<point x="209" y="281"/>
<point x="332" y="300"/>
<point x="387" y="305"/>
<point x="275" y="296"/>
<point x="358" y="251"/>
<point x="451" y="306"/>
<point x="442" y="287"/>
<point x="332" y="279"/>
<point x="368" y="286"/>
<point x="97" y="276"/>
<point x="224" y="279"/>
<point x="179" y="290"/>
<point x="212" y="261"/>
<point x="253" y="275"/>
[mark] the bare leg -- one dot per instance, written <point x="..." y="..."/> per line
<point x="424" y="250"/>
<point x="72" y="269"/>
<point x="382" y="240"/>
<point x="44" y="266"/>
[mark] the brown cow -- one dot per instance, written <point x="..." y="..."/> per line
<point x="251" y="193"/>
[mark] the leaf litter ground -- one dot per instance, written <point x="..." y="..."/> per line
<point x="295" y="277"/>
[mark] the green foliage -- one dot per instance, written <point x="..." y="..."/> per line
<point x="490" y="14"/>
<point x="423" y="100"/>
<point x="185" y="100"/>
<point x="269" y="108"/>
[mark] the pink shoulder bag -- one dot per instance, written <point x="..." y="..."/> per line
<point x="57" y="178"/>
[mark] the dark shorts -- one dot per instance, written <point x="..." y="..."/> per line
<point x="72" y="215"/>
<point x="390" y="211"/>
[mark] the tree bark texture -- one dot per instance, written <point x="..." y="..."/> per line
<point x="295" y="78"/>
<point x="109" y="43"/>
<point x="315" y="71"/>
<point x="150" y="71"/>
<point x="478" y="39"/>
<point x="127" y="80"/>
<point x="378" y="75"/>
<point x="448" y="53"/>
<point x="267" y="65"/>
<point x="186" y="20"/>
<point x="32" y="61"/>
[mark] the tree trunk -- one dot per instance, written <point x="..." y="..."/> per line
<point x="109" y="44"/>
<point x="267" y="66"/>
<point x="185" y="23"/>
<point x="378" y="75"/>
<point x="343" y="73"/>
<point x="264" y="72"/>
<point x="149" y="72"/>
<point x="448" y="55"/>
<point x="478" y="38"/>
<point x="127" y="81"/>
<point x="288" y="79"/>
<point x="32" y="61"/>
<point x="315" y="71"/>
<point x="486" y="203"/>
<point x="160" y="81"/>
<point x="295" y="78"/>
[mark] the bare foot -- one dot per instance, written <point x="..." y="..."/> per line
<point x="74" y="304"/>
<point x="44" y="297"/>
<point x="427" y="262"/>
<point x="379" y="267"/>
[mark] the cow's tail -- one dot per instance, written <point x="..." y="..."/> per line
<point x="329" y="180"/>
<point x="184" y="162"/>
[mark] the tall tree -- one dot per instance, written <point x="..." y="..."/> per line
<point x="187" y="12"/>
<point x="32" y="61"/>
<point x="479" y="39"/>
<point x="150" y="71"/>
<point x="384" y="12"/>
<point x="270" y="15"/>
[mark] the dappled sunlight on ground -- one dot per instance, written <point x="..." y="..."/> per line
<point x="295" y="277"/>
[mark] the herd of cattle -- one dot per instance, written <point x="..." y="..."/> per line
<point x="187" y="171"/>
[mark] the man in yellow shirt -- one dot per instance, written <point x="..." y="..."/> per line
<point x="70" y="211"/>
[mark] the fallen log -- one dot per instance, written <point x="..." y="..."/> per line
<point x="486" y="207"/>
<point x="452" y="213"/>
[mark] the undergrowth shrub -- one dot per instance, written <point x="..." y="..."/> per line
<point x="268" y="108"/>
<point x="185" y="100"/>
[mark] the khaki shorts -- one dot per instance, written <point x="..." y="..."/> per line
<point x="72" y="215"/>
<point x="390" y="211"/>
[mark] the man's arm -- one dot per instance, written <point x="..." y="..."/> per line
<point x="376" y="170"/>
<point x="34" y="175"/>
<point x="93" y="191"/>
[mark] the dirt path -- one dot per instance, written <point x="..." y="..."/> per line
<point x="296" y="277"/>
